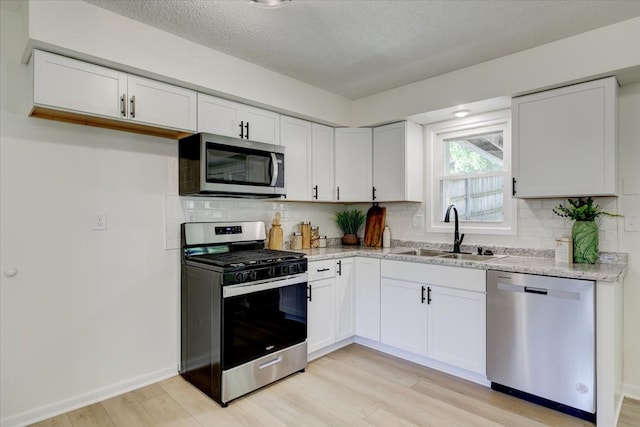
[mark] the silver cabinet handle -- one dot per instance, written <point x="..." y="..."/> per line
<point x="133" y="107"/>
<point x="123" y="105"/>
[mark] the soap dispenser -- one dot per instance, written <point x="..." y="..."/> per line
<point x="386" y="237"/>
<point x="275" y="233"/>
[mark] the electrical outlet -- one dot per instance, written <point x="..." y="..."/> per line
<point x="99" y="221"/>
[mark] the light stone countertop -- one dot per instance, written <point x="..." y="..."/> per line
<point x="605" y="272"/>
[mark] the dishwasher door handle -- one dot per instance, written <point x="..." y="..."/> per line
<point x="532" y="290"/>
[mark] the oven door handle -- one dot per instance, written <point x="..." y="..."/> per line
<point x="262" y="285"/>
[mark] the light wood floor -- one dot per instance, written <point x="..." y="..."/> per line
<point x="354" y="386"/>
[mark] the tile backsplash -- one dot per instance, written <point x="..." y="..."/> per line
<point x="538" y="226"/>
<point x="192" y="209"/>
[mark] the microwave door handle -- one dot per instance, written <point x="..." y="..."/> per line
<point x="274" y="169"/>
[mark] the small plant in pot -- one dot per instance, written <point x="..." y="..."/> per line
<point x="350" y="222"/>
<point x="585" y="228"/>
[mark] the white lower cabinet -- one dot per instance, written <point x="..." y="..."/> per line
<point x="330" y="302"/>
<point x="435" y="311"/>
<point x="368" y="298"/>
<point x="345" y="298"/>
<point x="404" y="315"/>
<point x="456" y="328"/>
<point x="321" y="330"/>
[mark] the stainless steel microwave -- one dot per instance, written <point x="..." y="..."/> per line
<point x="220" y="165"/>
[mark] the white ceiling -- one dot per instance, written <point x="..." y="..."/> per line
<point x="357" y="48"/>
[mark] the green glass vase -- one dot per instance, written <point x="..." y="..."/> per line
<point x="585" y="242"/>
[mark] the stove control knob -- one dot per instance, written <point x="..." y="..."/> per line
<point x="294" y="268"/>
<point x="285" y="269"/>
<point x="239" y="277"/>
<point x="253" y="274"/>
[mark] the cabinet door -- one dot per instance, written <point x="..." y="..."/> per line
<point x="389" y="162"/>
<point x="158" y="103"/>
<point x="398" y="162"/>
<point x="456" y="325"/>
<point x="353" y="164"/>
<point x="345" y="299"/>
<point x="295" y="136"/>
<point x="403" y="315"/>
<point x="368" y="298"/>
<point x="76" y="86"/>
<point x="564" y="141"/>
<point x="322" y="162"/>
<point x="321" y="328"/>
<point x="264" y="126"/>
<point x="218" y="116"/>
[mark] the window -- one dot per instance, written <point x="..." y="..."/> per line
<point x="471" y="169"/>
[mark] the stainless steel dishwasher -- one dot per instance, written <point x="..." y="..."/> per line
<point x="541" y="340"/>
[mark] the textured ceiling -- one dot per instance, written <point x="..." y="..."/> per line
<point x="358" y="48"/>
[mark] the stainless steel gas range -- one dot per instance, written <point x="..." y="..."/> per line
<point x="243" y="309"/>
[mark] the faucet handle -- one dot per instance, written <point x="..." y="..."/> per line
<point x="479" y="250"/>
<point x="461" y="238"/>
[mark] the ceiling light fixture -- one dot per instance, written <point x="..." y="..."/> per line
<point x="461" y="113"/>
<point x="270" y="3"/>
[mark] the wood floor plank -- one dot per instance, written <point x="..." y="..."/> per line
<point x="630" y="415"/>
<point x="188" y="396"/>
<point x="165" y="411"/>
<point x="59" y="421"/>
<point x="91" y="416"/>
<point x="125" y="410"/>
<point x="148" y="392"/>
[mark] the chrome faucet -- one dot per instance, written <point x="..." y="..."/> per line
<point x="457" y="238"/>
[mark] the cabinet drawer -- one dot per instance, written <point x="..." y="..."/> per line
<point x="454" y="277"/>
<point x="318" y="270"/>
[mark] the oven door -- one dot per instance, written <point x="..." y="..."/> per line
<point x="262" y="317"/>
<point x="242" y="167"/>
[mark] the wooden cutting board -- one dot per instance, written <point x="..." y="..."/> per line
<point x="374" y="226"/>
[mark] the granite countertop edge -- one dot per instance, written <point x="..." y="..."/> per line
<point x="601" y="271"/>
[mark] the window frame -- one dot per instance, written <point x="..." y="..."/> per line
<point x="434" y="136"/>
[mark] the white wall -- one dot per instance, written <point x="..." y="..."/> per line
<point x="89" y="313"/>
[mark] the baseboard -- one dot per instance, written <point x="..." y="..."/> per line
<point x="329" y="349"/>
<point x="60" y="407"/>
<point x="425" y="361"/>
<point x="631" y="391"/>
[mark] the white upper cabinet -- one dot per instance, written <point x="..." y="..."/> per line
<point x="68" y="84"/>
<point x="308" y="159"/>
<point x="564" y="141"/>
<point x="295" y="136"/>
<point x="322" y="163"/>
<point x="398" y="151"/>
<point x="228" y="118"/>
<point x="160" y="103"/>
<point x="353" y="164"/>
<point x="87" y="90"/>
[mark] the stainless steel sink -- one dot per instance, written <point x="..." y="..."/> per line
<point x="470" y="257"/>
<point x="422" y="252"/>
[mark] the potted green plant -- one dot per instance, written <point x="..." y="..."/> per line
<point x="585" y="228"/>
<point x="350" y="222"/>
